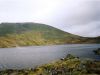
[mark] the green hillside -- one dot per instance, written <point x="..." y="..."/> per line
<point x="26" y="34"/>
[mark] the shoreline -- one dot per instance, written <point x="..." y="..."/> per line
<point x="68" y="65"/>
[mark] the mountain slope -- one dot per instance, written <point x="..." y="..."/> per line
<point x="25" y="34"/>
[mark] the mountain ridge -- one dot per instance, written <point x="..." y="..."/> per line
<point x="26" y="34"/>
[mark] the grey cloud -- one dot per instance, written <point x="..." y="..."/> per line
<point x="90" y="29"/>
<point x="85" y="13"/>
<point x="83" y="20"/>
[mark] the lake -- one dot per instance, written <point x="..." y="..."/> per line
<point x="31" y="56"/>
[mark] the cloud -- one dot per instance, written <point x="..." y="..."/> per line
<point x="90" y="29"/>
<point x="82" y="18"/>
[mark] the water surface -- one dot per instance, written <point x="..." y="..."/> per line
<point x="25" y="57"/>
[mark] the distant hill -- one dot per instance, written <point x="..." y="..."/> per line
<point x="26" y="34"/>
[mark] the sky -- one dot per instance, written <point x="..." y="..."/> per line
<point x="80" y="17"/>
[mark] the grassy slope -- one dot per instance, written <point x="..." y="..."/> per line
<point x="24" y="34"/>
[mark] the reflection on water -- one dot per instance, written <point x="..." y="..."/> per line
<point x="24" y="57"/>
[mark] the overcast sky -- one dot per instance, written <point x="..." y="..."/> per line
<point x="80" y="17"/>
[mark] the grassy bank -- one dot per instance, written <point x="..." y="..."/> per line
<point x="69" y="65"/>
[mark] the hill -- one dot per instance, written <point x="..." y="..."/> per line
<point x="26" y="34"/>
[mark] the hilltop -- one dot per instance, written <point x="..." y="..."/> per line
<point x="26" y="34"/>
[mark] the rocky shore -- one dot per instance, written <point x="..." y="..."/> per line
<point x="69" y="65"/>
